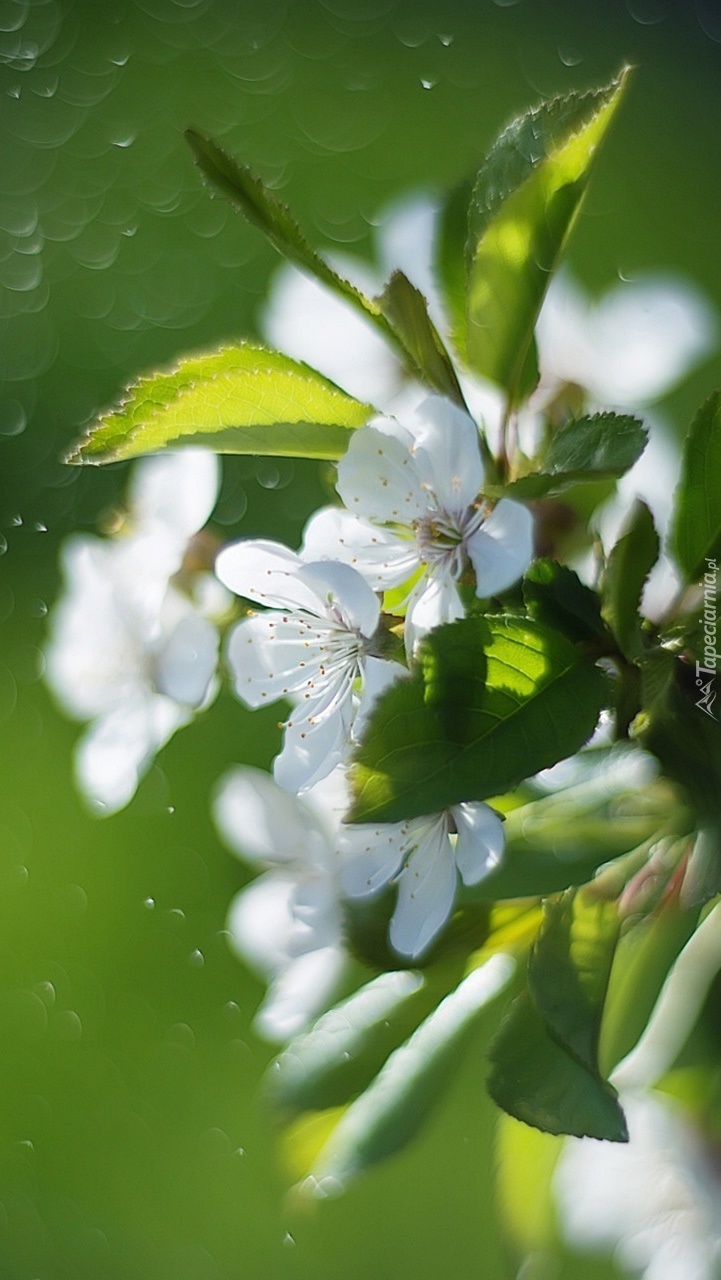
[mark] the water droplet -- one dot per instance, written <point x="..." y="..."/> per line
<point x="240" y="1151"/>
<point x="196" y="959"/>
<point x="15" y="91"/>
<point x="38" y="609"/>
<point x="267" y="475"/>
<point x="288" y="1240"/>
<point x="149" y="904"/>
<point x="46" y="991"/>
<point x="569" y="57"/>
<point x="13" y="419"/>
<point x="231" y="1010"/>
<point x="177" y="913"/>
<point x="15" y="521"/>
<point x="67" y="1025"/>
<point x="39" y="527"/>
<point x="428" y="84"/>
<point x="445" y="40"/>
<point x="3" y="544"/>
<point x="171" y="808"/>
<point x="126" y="141"/>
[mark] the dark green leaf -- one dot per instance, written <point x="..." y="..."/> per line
<point x="525" y="201"/>
<point x="628" y="567"/>
<point x="569" y="968"/>
<point x="535" y="1080"/>
<point x="491" y="701"/>
<point x="602" y="446"/>
<point x="555" y="595"/>
<point x="696" y="533"/>
<point x="450" y="258"/>
<point x="393" y="1108"/>
<point x="242" y="399"/>
<point x="407" y="311"/>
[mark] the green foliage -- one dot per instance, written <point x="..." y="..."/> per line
<point x="491" y="701"/>
<point x="407" y="311"/>
<point x="242" y="399"/>
<point x="535" y="1080"/>
<point x="696" y="533"/>
<point x="628" y="567"/>
<point x="390" y="1112"/>
<point x="555" y="596"/>
<point x="544" y="1061"/>
<point x="525" y="201"/>
<point x="582" y="451"/>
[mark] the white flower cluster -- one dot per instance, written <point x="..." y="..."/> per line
<point x="415" y="521"/>
<point x="133" y="643"/>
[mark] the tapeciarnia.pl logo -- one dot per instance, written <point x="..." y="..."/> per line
<point x="710" y="656"/>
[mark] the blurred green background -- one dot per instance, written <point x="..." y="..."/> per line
<point x="132" y="1140"/>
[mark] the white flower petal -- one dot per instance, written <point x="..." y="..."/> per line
<point x="502" y="549"/>
<point x="273" y="655"/>
<point x="260" y="922"/>
<point x="433" y="600"/>
<point x="447" y="451"/>
<point x="481" y="840"/>
<point x="117" y="748"/>
<point x="370" y="855"/>
<point x="378" y="675"/>
<point x="347" y="595"/>
<point x="382" y="557"/>
<point x="187" y="660"/>
<point x="267" y="573"/>
<point x="426" y="892"/>
<point x="302" y="990"/>
<point x="376" y="476"/>
<point x="260" y="822"/>
<point x="177" y="490"/>
<point x="315" y="741"/>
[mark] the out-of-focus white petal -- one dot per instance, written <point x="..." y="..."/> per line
<point x="177" y="490"/>
<point x="116" y="749"/>
<point x="426" y="891"/>
<point x="502" y="549"/>
<point x="447" y="450"/>
<point x="376" y="476"/>
<point x="384" y="559"/>
<point x="260" y="922"/>
<point x="632" y="345"/>
<point x="481" y="840"/>
<point x="187" y="660"/>
<point x="301" y="990"/>
<point x="370" y="856"/>
<point x="258" y="820"/>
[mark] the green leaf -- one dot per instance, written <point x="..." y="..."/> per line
<point x="347" y="1046"/>
<point x="450" y="258"/>
<point x="555" y="595"/>
<point x="696" y="532"/>
<point x="406" y="309"/>
<point x="569" y="969"/>
<point x="599" y="447"/>
<point x="628" y="567"/>
<point x="249" y="196"/>
<point x="242" y="399"/>
<point x="393" y="1108"/>
<point x="491" y="701"/>
<point x="535" y="1080"/>
<point x="525" y="201"/>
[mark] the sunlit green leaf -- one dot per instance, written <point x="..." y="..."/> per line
<point x="629" y="564"/>
<point x="407" y="310"/>
<point x="241" y="399"/>
<point x="525" y="201"/>
<point x="534" y="1079"/>
<point x="393" y="1108"/>
<point x="584" y="450"/>
<point x="569" y="968"/>
<point x="491" y="700"/>
<point x="696" y="533"/>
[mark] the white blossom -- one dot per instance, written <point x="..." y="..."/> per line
<point x="129" y="650"/>
<point x="287" y="924"/>
<point x="414" y="514"/>
<point x="655" y="1201"/>
<point x="311" y="645"/>
<point x="424" y="857"/>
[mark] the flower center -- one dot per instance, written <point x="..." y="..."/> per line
<point x="441" y="538"/>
